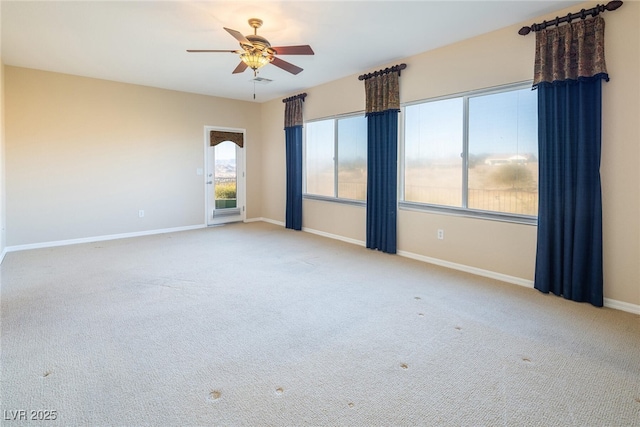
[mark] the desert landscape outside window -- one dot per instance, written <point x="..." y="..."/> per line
<point x="336" y="158"/>
<point x="475" y="151"/>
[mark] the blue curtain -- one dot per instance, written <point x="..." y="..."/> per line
<point x="569" y="248"/>
<point x="293" y="138"/>
<point x="382" y="166"/>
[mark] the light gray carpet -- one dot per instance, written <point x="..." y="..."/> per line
<point x="251" y="324"/>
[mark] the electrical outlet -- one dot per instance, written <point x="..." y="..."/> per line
<point x="440" y="234"/>
<point x="140" y="213"/>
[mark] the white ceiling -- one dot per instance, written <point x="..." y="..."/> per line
<point x="145" y="42"/>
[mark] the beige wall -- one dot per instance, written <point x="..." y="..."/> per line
<point x="84" y="155"/>
<point x="273" y="185"/>
<point x="2" y="186"/>
<point x="3" y="190"/>
<point x="498" y="58"/>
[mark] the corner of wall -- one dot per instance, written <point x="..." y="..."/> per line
<point x="273" y="169"/>
<point x="3" y="192"/>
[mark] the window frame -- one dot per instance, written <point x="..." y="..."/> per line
<point x="464" y="210"/>
<point x="335" y="198"/>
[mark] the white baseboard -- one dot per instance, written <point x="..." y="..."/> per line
<point x="622" y="306"/>
<point x="2" y="254"/>
<point x="473" y="270"/>
<point x="609" y="303"/>
<point x="468" y="269"/>
<point x="270" y="221"/>
<point x="334" y="236"/>
<point x="100" y="238"/>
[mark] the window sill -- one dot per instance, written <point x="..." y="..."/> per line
<point x="360" y="203"/>
<point x="469" y="213"/>
<point x="441" y="210"/>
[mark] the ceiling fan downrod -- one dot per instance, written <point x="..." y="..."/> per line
<point x="255" y="23"/>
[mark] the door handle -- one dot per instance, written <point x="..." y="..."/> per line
<point x="209" y="182"/>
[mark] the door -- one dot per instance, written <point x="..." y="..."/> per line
<point x="225" y="183"/>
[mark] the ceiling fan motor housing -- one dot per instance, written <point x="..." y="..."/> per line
<point x="257" y="42"/>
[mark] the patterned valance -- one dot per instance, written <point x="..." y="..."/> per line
<point x="570" y="52"/>
<point x="216" y="137"/>
<point x="293" y="110"/>
<point x="382" y="92"/>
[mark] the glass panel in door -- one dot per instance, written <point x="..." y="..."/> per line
<point x="225" y="199"/>
<point x="225" y="176"/>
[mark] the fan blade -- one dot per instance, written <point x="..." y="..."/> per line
<point x="197" y="50"/>
<point x="293" y="69"/>
<point x="240" y="68"/>
<point x="238" y="36"/>
<point x="294" y="50"/>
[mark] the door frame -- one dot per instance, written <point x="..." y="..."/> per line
<point x="241" y="193"/>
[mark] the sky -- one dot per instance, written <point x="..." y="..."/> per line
<point x="503" y="123"/>
<point x="500" y="124"/>
<point x="225" y="151"/>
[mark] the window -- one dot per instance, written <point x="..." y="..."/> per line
<point x="336" y="158"/>
<point x="476" y="152"/>
<point x="319" y="150"/>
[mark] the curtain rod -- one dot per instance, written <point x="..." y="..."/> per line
<point x="594" y="11"/>
<point x="397" y="68"/>
<point x="294" y="97"/>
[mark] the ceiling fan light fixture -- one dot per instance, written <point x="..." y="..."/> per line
<point x="254" y="60"/>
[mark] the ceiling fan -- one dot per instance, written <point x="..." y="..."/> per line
<point x="257" y="52"/>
